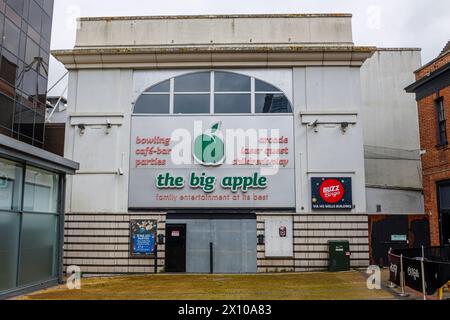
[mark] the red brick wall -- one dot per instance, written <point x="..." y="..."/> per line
<point x="436" y="161"/>
<point x="434" y="66"/>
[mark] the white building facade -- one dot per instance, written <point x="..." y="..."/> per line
<point x="149" y="96"/>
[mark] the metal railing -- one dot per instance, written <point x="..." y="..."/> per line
<point x="426" y="270"/>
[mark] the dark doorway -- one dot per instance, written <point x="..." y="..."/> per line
<point x="396" y="232"/>
<point x="389" y="232"/>
<point x="176" y="248"/>
<point x="419" y="233"/>
<point x="444" y="211"/>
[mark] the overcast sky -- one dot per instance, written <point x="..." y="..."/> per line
<point x="382" y="23"/>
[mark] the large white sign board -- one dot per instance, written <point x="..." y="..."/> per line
<point x="212" y="162"/>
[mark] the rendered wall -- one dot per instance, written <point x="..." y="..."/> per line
<point x="264" y="29"/>
<point x="391" y="132"/>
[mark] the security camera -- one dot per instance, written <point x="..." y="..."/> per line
<point x="313" y="124"/>
<point x="108" y="126"/>
<point x="82" y="128"/>
<point x="344" y="126"/>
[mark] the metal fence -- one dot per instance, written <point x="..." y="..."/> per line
<point x="423" y="269"/>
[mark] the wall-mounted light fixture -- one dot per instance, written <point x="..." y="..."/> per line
<point x="344" y="127"/>
<point x="314" y="125"/>
<point x="160" y="239"/>
<point x="261" y="239"/>
<point x="108" y="126"/>
<point x="82" y="128"/>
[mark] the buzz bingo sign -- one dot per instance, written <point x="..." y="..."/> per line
<point x="331" y="193"/>
<point x="212" y="161"/>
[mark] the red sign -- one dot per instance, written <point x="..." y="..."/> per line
<point x="283" y="232"/>
<point x="332" y="191"/>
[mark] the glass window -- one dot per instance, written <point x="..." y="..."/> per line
<point x="9" y="246"/>
<point x="442" y="122"/>
<point x="41" y="191"/>
<point x="46" y="58"/>
<point x="153" y="104"/>
<point x="10" y="185"/>
<point x="163" y="87"/>
<point x="32" y="52"/>
<point x="29" y="82"/>
<point x="17" y="5"/>
<point x="46" y="27"/>
<point x="26" y="9"/>
<point x="192" y="104"/>
<point x="39" y="127"/>
<point x="272" y="103"/>
<point x="17" y="113"/>
<point x="233" y="103"/>
<point x="35" y="16"/>
<point x="231" y="82"/>
<point x="22" y="46"/>
<point x="232" y="93"/>
<point x="38" y="248"/>
<point x="48" y="7"/>
<point x="26" y="126"/>
<point x="196" y="82"/>
<point x="42" y="89"/>
<point x="6" y="112"/>
<point x="444" y="197"/>
<point x="2" y="19"/>
<point x="11" y="37"/>
<point x="9" y="67"/>
<point x="261" y="86"/>
<point x="11" y="14"/>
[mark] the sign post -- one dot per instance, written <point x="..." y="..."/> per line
<point x="402" y="278"/>
<point x="424" y="284"/>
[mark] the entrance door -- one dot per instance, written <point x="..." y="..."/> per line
<point x="176" y="248"/>
<point x="233" y="239"/>
<point x="444" y="212"/>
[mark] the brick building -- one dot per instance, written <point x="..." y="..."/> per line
<point x="432" y="89"/>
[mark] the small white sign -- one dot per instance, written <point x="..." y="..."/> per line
<point x="175" y="234"/>
<point x="399" y="237"/>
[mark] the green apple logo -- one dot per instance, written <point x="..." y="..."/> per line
<point x="209" y="149"/>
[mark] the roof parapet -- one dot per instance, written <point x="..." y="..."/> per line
<point x="213" y="57"/>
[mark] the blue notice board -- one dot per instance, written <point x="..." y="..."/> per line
<point x="143" y="237"/>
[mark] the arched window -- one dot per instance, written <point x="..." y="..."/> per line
<point x="215" y="92"/>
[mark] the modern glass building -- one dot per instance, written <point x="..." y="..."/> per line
<point x="25" y="27"/>
<point x="31" y="179"/>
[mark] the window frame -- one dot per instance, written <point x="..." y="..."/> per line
<point x="253" y="93"/>
<point x="22" y="212"/>
<point x="441" y="122"/>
